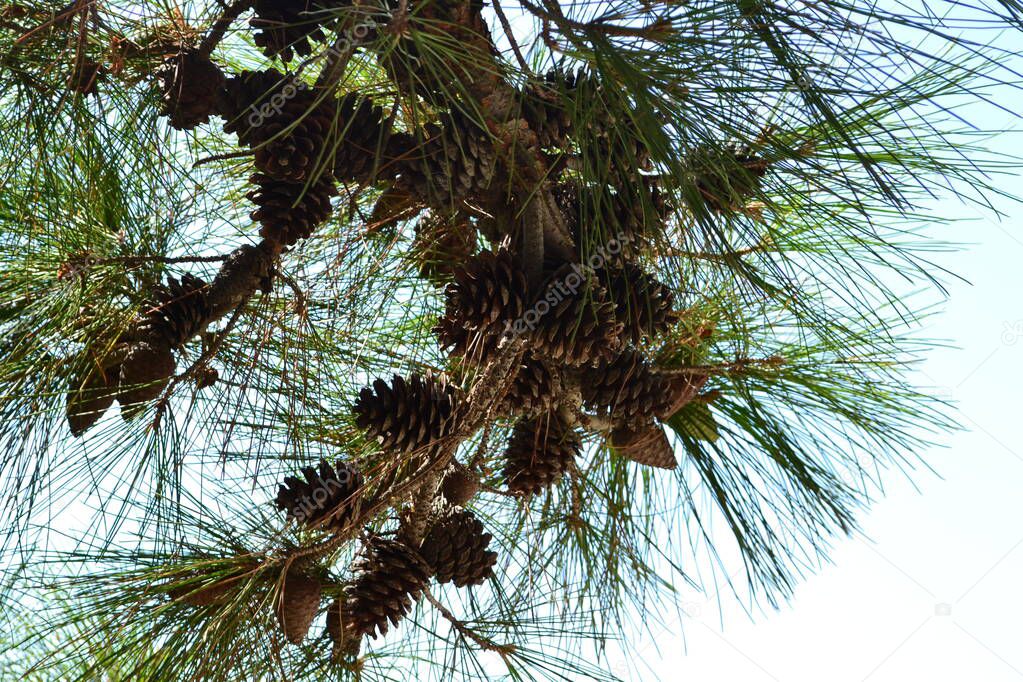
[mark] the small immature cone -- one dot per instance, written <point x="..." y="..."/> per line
<point x="459" y="484"/>
<point x="297" y="603"/>
<point x="646" y="444"/>
<point x="346" y="642"/>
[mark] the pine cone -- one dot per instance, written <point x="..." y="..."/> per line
<point x="190" y="88"/>
<point x="290" y="211"/>
<point x="611" y="226"/>
<point x="459" y="484"/>
<point x="456" y="549"/>
<point x="86" y="76"/>
<point x="534" y="389"/>
<point x="546" y="105"/>
<point x="247" y="99"/>
<point x="407" y="414"/>
<point x="297" y="603"/>
<point x="145" y="372"/>
<point x="387" y="577"/>
<point x="539" y="452"/>
<point x="289" y="125"/>
<point x="473" y="346"/>
<point x="325" y="499"/>
<point x="488" y="291"/>
<point x="726" y="177"/>
<point x="575" y="322"/>
<point x="176" y="312"/>
<point x="209" y="593"/>
<point x="362" y="140"/>
<point x="627" y="386"/>
<point x="642" y="304"/>
<point x="294" y="143"/>
<point x="645" y="443"/>
<point x="442" y="242"/>
<point x="286" y="27"/>
<point x="90" y="394"/>
<point x="457" y="160"/>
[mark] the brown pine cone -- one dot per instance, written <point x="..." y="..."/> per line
<point x="176" y="312"/>
<point x="574" y="322"/>
<point x="190" y="89"/>
<point x="645" y="443"/>
<point x="535" y="389"/>
<point x="459" y="484"/>
<point x="90" y="394"/>
<point x="145" y="372"/>
<point x="455" y="547"/>
<point x="642" y="304"/>
<point x="386" y="578"/>
<point x="408" y="414"/>
<point x="290" y="211"/>
<point x="325" y="499"/>
<point x="539" y="452"/>
<point x="297" y="604"/>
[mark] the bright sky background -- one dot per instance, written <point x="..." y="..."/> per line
<point x="933" y="592"/>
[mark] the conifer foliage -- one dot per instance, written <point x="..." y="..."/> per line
<point x="429" y="329"/>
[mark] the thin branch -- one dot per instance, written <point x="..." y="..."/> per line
<point x="510" y="35"/>
<point x="504" y="650"/>
<point x="219" y="29"/>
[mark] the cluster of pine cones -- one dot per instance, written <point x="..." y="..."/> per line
<point x="590" y="322"/>
<point x="388" y="574"/>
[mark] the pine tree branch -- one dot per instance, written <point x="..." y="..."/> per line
<point x="220" y="28"/>
<point x="504" y="650"/>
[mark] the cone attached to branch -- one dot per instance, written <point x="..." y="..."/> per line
<point x="386" y="578"/>
<point x="285" y="28"/>
<point x="190" y="89"/>
<point x="539" y="452"/>
<point x="614" y="226"/>
<point x="642" y="304"/>
<point x="407" y="414"/>
<point x="645" y="443"/>
<point x="459" y="484"/>
<point x="573" y="321"/>
<point x="325" y="499"/>
<point x="145" y="372"/>
<point x="456" y="160"/>
<point x="178" y="311"/>
<point x="628" y="386"/>
<point x="546" y="105"/>
<point x="297" y="604"/>
<point x="535" y="388"/>
<point x="290" y="211"/>
<point x="361" y="140"/>
<point x="488" y="291"/>
<point x="455" y="547"/>
<point x="289" y="126"/>
<point x="91" y="393"/>
<point x="211" y="590"/>
<point x="442" y="244"/>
